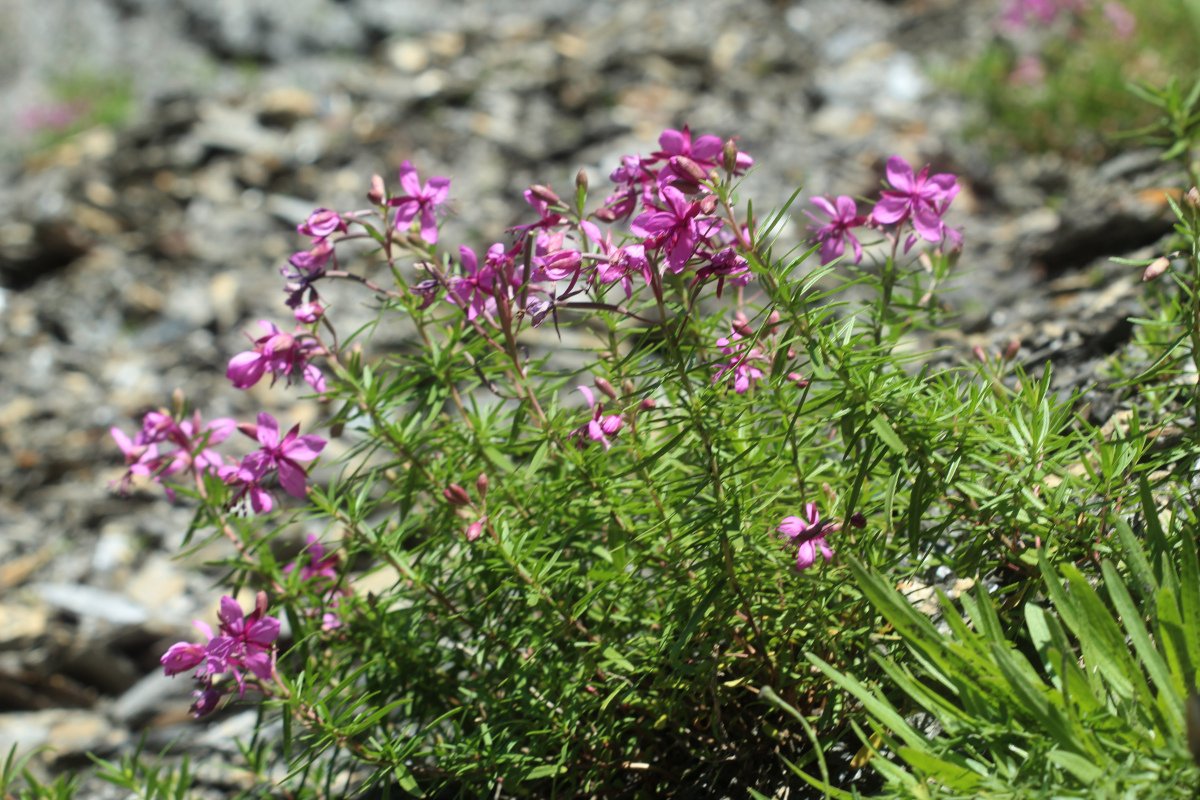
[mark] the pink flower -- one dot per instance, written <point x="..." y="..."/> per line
<point x="243" y="644"/>
<point x="921" y="198"/>
<point x="601" y="425"/>
<point x="284" y="454"/>
<point x="276" y="456"/>
<point x="149" y="453"/>
<point x="281" y="354"/>
<point x="678" y="229"/>
<point x="322" y="223"/>
<point x="833" y="235"/>
<point x="420" y="200"/>
<point x="475" y="290"/>
<point x="808" y="535"/>
<point x="317" y="566"/>
<point x="741" y="364"/>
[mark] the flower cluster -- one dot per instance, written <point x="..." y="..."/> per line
<point x="243" y="647"/>
<point x="667" y="201"/>
<point x="166" y="447"/>
<point x="917" y="202"/>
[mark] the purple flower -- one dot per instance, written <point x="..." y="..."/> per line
<point x="280" y="354"/>
<point x="275" y="456"/>
<point x="149" y="453"/>
<point x="243" y="644"/>
<point x="808" y="535"/>
<point x="318" y="566"/>
<point x="322" y="223"/>
<point x="921" y="198"/>
<point x="741" y="364"/>
<point x="833" y="235"/>
<point x="420" y="200"/>
<point x="601" y="425"/>
<point x="284" y="454"/>
<point x="475" y="290"/>
<point x="679" y="229"/>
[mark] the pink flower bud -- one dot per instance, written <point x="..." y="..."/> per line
<point x="1156" y="268"/>
<point x="545" y="193"/>
<point x="1192" y="198"/>
<point x="309" y="312"/>
<point x="481" y="485"/>
<point x="688" y="169"/>
<point x="980" y="356"/>
<point x="1011" y="349"/>
<point x="708" y="204"/>
<point x="606" y="387"/>
<point x="741" y="325"/>
<point x="475" y="529"/>
<point x="456" y="495"/>
<point x="647" y="404"/>
<point x="798" y="379"/>
<point x="378" y="192"/>
<point x="581" y="181"/>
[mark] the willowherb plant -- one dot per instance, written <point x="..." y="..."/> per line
<point x="596" y="611"/>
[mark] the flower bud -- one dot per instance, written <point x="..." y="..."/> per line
<point x="475" y="529"/>
<point x="741" y="325"/>
<point x="628" y="386"/>
<point x="545" y="193"/>
<point x="708" y="204"/>
<point x="606" y="387"/>
<point x="688" y="169"/>
<point x="980" y="356"/>
<point x="1192" y="197"/>
<point x="729" y="156"/>
<point x="481" y="485"/>
<point x="309" y="312"/>
<point x="378" y="192"/>
<point x="456" y="495"/>
<point x="581" y="181"/>
<point x="1156" y="268"/>
<point x="799" y="380"/>
<point x="1011" y="349"/>
<point x="647" y="404"/>
<point x="857" y="520"/>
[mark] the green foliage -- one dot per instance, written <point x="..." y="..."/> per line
<point x="1077" y="101"/>
<point x="1087" y="701"/>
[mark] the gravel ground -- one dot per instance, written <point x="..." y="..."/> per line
<point x="132" y="258"/>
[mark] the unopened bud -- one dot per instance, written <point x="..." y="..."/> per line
<point x="729" y="157"/>
<point x="1192" y="197"/>
<point x="260" y="603"/>
<point x="690" y="170"/>
<point x="799" y="380"/>
<point x="545" y="193"/>
<point x="1156" y="268"/>
<point x="1011" y="349"/>
<point x="606" y="387"/>
<point x="378" y="192"/>
<point x="741" y="325"/>
<point x="605" y="214"/>
<point x="628" y="386"/>
<point x="708" y="204"/>
<point x="481" y="485"/>
<point x="647" y="404"/>
<point x="581" y="181"/>
<point x="456" y="495"/>
<point x="475" y="529"/>
<point x="857" y="520"/>
<point x="178" y="402"/>
<point x="980" y="356"/>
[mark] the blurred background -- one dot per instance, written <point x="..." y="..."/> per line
<point x="155" y="158"/>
